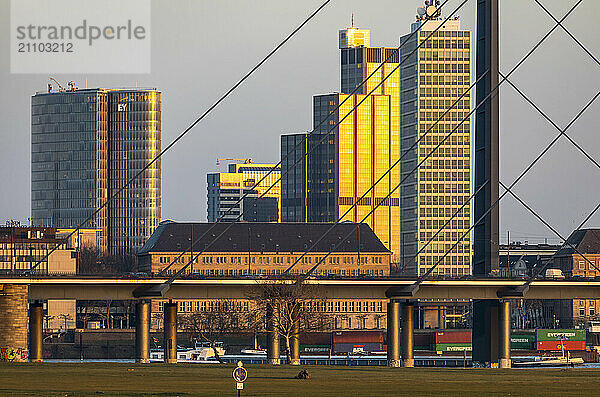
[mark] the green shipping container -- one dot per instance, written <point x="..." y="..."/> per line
<point x="555" y="334"/>
<point x="453" y="347"/>
<point x="522" y="342"/>
<point x="315" y="348"/>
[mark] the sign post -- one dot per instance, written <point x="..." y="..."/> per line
<point x="240" y="375"/>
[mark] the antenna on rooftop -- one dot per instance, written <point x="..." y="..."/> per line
<point x="352" y="21"/>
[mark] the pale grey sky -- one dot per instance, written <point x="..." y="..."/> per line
<point x="200" y="48"/>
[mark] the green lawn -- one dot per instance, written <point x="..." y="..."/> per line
<point x="203" y="380"/>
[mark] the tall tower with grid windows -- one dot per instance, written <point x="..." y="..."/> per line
<point x="432" y="79"/>
<point x="85" y="145"/>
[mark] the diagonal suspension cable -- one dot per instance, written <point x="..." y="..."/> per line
<point x="493" y="92"/>
<point x="324" y="137"/>
<point x="568" y="32"/>
<point x="547" y="224"/>
<point x="544" y="115"/>
<point x="421" y="279"/>
<point x="184" y="132"/>
<point x="585" y="153"/>
<point x="184" y="268"/>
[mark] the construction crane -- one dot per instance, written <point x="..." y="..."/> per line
<point x="61" y="88"/>
<point x="71" y="84"/>
<point x="246" y="161"/>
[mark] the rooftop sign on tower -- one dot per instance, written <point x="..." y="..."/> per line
<point x="354" y="37"/>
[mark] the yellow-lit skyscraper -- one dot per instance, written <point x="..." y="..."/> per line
<point x="370" y="140"/>
<point x="432" y="80"/>
<point x="353" y="37"/>
<point x="345" y="166"/>
<point x="359" y="150"/>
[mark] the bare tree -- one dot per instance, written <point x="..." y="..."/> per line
<point x="296" y="306"/>
<point x="91" y="260"/>
<point x="223" y="317"/>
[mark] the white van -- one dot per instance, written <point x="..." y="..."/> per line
<point x="556" y="274"/>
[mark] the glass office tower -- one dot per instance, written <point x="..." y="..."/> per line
<point x="293" y="177"/>
<point x="431" y="80"/>
<point x="344" y="167"/>
<point x="339" y="170"/>
<point x="86" y="144"/>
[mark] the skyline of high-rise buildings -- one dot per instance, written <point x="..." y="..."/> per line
<point x="403" y="95"/>
<point x="408" y="90"/>
<point x="86" y="144"/>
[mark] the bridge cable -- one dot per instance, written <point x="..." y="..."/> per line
<point x="569" y="33"/>
<point x="541" y="219"/>
<point x="421" y="279"/>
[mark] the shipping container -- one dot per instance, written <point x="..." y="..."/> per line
<point x="522" y="341"/>
<point x="357" y="348"/>
<point x="556" y="334"/>
<point x="453" y="347"/>
<point x="556" y="345"/>
<point x="358" y="337"/>
<point x="316" y="338"/>
<point x="423" y="341"/>
<point x="315" y="349"/>
<point x="454" y="336"/>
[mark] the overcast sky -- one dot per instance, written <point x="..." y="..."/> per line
<point x="200" y="48"/>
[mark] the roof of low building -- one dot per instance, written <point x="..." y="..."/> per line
<point x="262" y="237"/>
<point x="586" y="241"/>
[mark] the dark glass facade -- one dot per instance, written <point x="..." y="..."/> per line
<point x="293" y="177"/>
<point x="85" y="145"/>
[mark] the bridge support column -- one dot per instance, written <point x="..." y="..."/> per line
<point x="272" y="336"/>
<point x="408" y="329"/>
<point x="295" y="339"/>
<point x="170" y="332"/>
<point x="142" y="332"/>
<point x="485" y="332"/>
<point x="13" y="324"/>
<point x="504" y="315"/>
<point x="393" y="333"/>
<point x="36" y="316"/>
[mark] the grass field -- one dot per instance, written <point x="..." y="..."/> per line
<point x="110" y="379"/>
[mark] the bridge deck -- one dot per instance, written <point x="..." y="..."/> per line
<point x="122" y="288"/>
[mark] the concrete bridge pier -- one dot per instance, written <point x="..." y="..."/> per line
<point x="393" y="333"/>
<point x="142" y="332"/>
<point x="408" y="329"/>
<point x="36" y="328"/>
<point x="272" y="337"/>
<point x="170" y="332"/>
<point x="13" y="324"/>
<point x="295" y="338"/>
<point x="491" y="333"/>
<point x="504" y="314"/>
